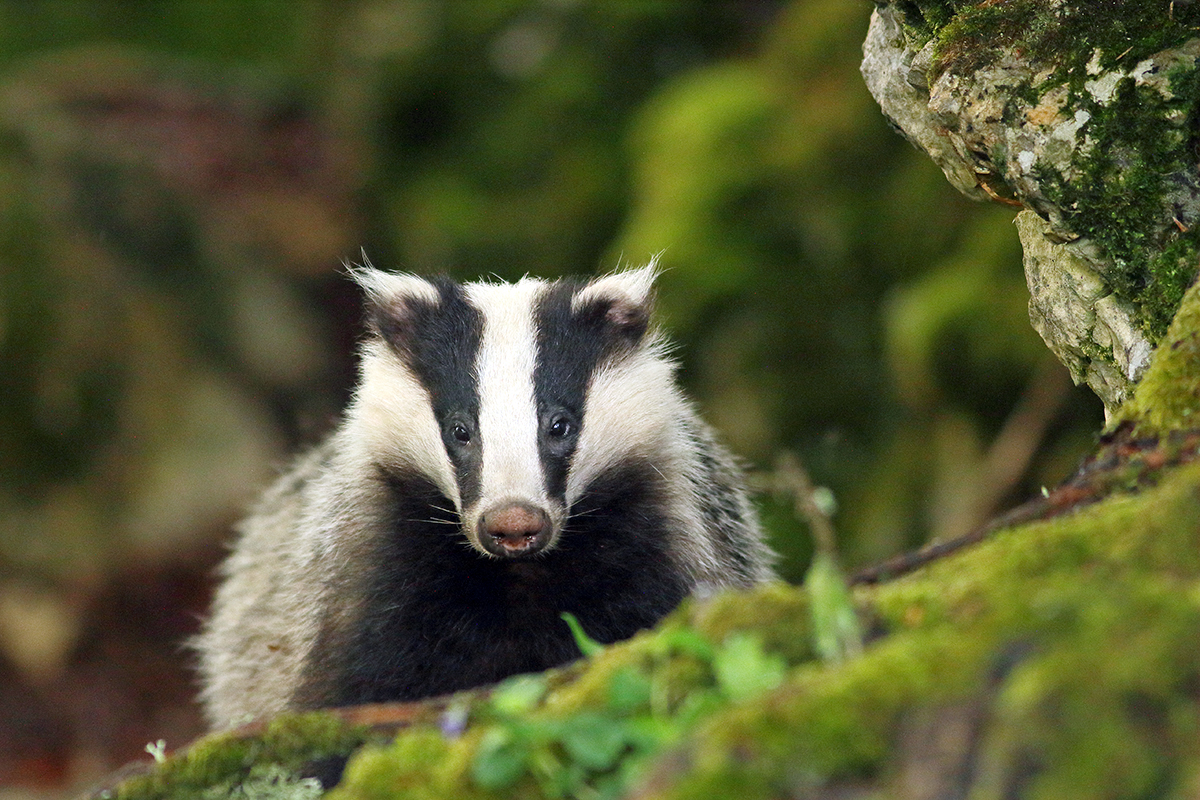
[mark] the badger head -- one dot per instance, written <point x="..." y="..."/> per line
<point x="510" y="398"/>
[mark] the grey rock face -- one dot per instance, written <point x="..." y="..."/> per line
<point x="1013" y="130"/>
<point x="897" y="78"/>
<point x="1073" y="310"/>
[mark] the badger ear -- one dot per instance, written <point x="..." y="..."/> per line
<point x="626" y="298"/>
<point x="393" y="300"/>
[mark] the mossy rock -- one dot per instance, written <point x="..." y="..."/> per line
<point x="1083" y="113"/>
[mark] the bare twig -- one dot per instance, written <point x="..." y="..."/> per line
<point x="792" y="479"/>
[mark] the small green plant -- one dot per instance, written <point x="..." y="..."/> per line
<point x="271" y="782"/>
<point x="586" y="644"/>
<point x="157" y="751"/>
<point x="597" y="753"/>
<point x="837" y="635"/>
<point x="743" y="669"/>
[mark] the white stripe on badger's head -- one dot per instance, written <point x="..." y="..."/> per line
<point x="510" y="471"/>
<point x="542" y="345"/>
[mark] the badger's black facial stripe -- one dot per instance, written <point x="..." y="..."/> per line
<point x="440" y="343"/>
<point x="571" y="345"/>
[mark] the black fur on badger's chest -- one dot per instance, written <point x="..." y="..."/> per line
<point x="436" y="616"/>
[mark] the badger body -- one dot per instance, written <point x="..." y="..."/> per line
<point x="512" y="452"/>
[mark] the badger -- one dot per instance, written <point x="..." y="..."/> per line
<point x="512" y="451"/>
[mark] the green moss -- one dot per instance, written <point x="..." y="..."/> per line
<point x="820" y="727"/>
<point x="779" y="614"/>
<point x="1168" y="396"/>
<point x="286" y="745"/>
<point x="417" y="765"/>
<point x="976" y="33"/>
<point x="1060" y="35"/>
<point x="923" y="19"/>
<point x="1170" y="272"/>
<point x="1094" y="353"/>
<point x="1117" y="197"/>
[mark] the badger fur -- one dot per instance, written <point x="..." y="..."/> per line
<point x="512" y="452"/>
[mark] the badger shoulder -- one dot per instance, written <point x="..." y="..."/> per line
<point x="266" y="607"/>
<point x="729" y="518"/>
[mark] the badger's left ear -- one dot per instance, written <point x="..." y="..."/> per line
<point x="395" y="302"/>
<point x="626" y="298"/>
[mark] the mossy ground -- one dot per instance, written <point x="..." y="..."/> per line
<point x="228" y="765"/>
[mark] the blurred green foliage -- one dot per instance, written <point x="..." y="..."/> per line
<point x="181" y="180"/>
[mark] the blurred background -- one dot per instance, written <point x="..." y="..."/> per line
<point x="181" y="180"/>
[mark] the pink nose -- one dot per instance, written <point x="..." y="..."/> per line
<point x="514" y="529"/>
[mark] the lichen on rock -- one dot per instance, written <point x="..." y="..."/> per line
<point x="1068" y="298"/>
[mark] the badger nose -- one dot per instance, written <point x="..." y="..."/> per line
<point x="514" y="529"/>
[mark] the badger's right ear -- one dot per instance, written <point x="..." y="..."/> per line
<point x="626" y="298"/>
<point x="394" y="301"/>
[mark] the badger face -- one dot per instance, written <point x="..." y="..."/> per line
<point x="509" y="398"/>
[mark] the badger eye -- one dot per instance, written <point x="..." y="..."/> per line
<point x="460" y="433"/>
<point x="560" y="428"/>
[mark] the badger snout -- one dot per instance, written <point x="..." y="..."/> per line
<point x="515" y="529"/>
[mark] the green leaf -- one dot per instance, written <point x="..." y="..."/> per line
<point x="518" y="694"/>
<point x="696" y="705"/>
<point x="501" y="759"/>
<point x="744" y="669"/>
<point x="825" y="501"/>
<point x="586" y="644"/>
<point x="836" y="632"/>
<point x="628" y="690"/>
<point x="562" y="780"/>
<point x="651" y="733"/>
<point x="595" y="741"/>
<point x="687" y="641"/>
